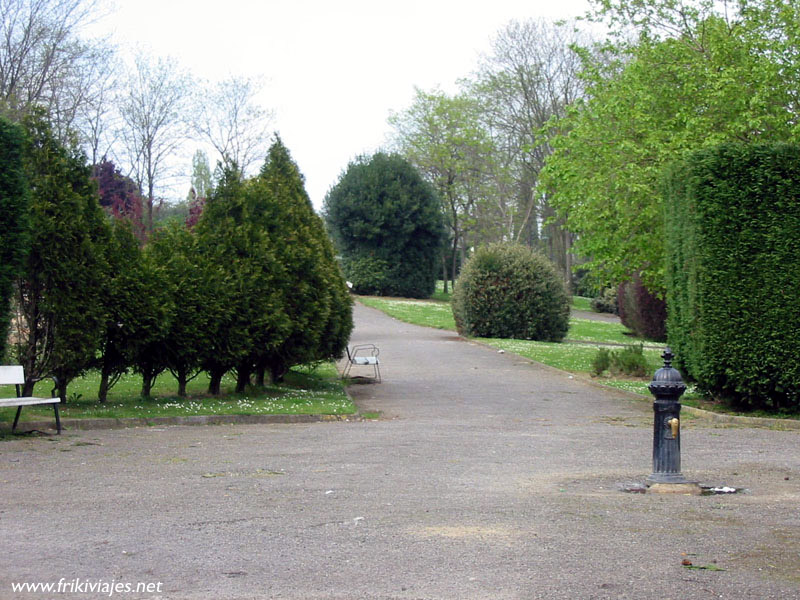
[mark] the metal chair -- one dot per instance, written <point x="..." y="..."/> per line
<point x="368" y="358"/>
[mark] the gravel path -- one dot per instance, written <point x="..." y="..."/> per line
<point x="486" y="477"/>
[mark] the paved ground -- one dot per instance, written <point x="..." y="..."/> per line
<point x="488" y="477"/>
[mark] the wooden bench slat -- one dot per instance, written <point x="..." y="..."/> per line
<point x="27" y="401"/>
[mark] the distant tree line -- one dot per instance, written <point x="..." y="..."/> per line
<point x="253" y="288"/>
<point x="135" y="117"/>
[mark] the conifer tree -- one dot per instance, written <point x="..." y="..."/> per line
<point x="136" y="306"/>
<point x="316" y="301"/>
<point x="60" y="290"/>
<point x="14" y="215"/>
<point x="251" y="316"/>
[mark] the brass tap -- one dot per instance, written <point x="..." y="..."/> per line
<point x="675" y="425"/>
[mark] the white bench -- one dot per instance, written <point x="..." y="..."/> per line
<point x="15" y="375"/>
<point x="370" y="359"/>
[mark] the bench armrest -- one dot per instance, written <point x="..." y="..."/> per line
<point x="372" y="349"/>
<point x="55" y="383"/>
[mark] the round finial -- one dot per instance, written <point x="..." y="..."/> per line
<point x="667" y="356"/>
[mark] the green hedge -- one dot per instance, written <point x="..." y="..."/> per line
<point x="733" y="272"/>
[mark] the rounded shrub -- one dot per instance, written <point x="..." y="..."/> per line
<point x="509" y="291"/>
<point x="642" y="311"/>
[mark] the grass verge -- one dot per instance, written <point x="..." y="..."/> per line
<point x="305" y="391"/>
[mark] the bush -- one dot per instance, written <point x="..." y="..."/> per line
<point x="509" y="291"/>
<point x="642" y="311"/>
<point x="369" y="275"/>
<point x="732" y="272"/>
<point x="606" y="302"/>
<point x="629" y="361"/>
<point x="601" y="362"/>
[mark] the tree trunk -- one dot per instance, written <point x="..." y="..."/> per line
<point x="102" y="393"/>
<point x="27" y="388"/>
<point x="61" y="386"/>
<point x="260" y="373"/>
<point x="148" y="379"/>
<point x="215" y="381"/>
<point x="242" y="378"/>
<point x="444" y="269"/>
<point x="455" y="258"/>
<point x="182" y="378"/>
<point x="277" y="371"/>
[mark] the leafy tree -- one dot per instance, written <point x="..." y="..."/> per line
<point x="444" y="138"/>
<point x="692" y="76"/>
<point x="45" y="64"/>
<point x="530" y="76"/>
<point x="201" y="175"/>
<point x="386" y="221"/>
<point x="14" y="215"/>
<point x="201" y="189"/>
<point x="119" y="195"/>
<point x="59" y="299"/>
<point x="230" y="119"/>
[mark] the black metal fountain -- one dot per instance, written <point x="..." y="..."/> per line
<point x="667" y="387"/>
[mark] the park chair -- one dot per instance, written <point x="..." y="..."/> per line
<point x="363" y="355"/>
<point x="15" y="375"/>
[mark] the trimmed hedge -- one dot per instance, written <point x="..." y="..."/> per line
<point x="641" y="311"/>
<point x="509" y="291"/>
<point x="733" y="272"/>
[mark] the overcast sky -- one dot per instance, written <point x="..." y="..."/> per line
<point x="333" y="70"/>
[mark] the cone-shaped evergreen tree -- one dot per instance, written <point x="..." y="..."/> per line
<point x="136" y="306"/>
<point x="195" y="305"/>
<point x="61" y="299"/>
<point x="14" y="215"/>
<point x="251" y="317"/>
<point x="316" y="301"/>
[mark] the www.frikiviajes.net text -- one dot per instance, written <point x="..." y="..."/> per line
<point x="85" y="586"/>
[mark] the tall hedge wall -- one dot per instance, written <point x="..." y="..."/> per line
<point x="733" y="272"/>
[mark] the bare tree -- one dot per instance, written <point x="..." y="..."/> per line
<point x="152" y="111"/>
<point x="98" y="119"/>
<point x="530" y="77"/>
<point x="44" y="61"/>
<point x="231" y="120"/>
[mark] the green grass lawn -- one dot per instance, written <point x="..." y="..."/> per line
<point x="305" y="391"/>
<point x="428" y="313"/>
<point x="576" y="358"/>
<point x="582" y="303"/>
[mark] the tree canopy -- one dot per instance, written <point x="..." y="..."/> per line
<point x="693" y="75"/>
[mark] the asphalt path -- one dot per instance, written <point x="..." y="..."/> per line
<point x="487" y="476"/>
